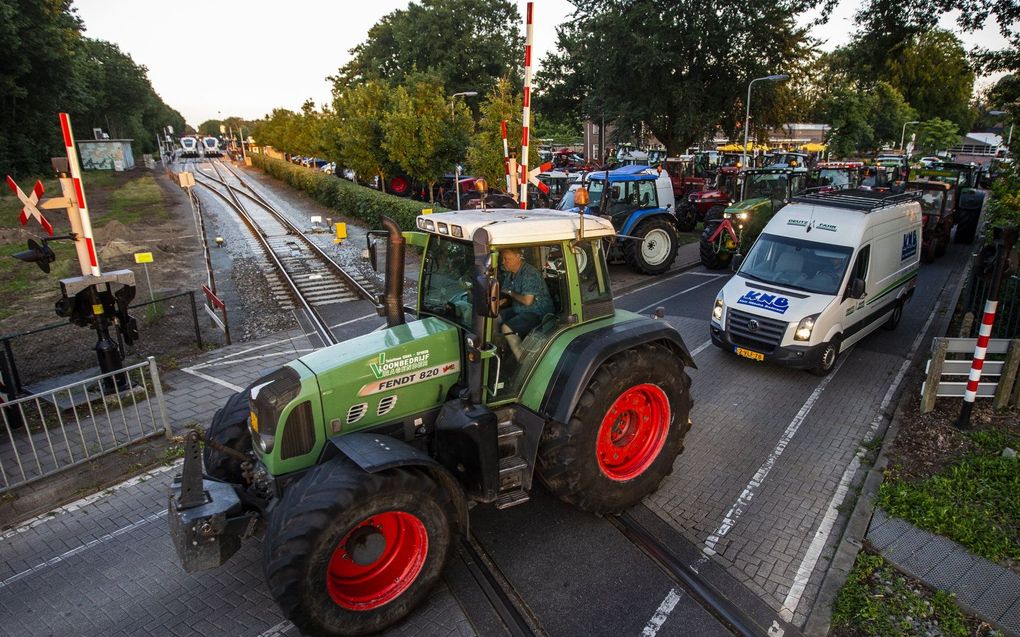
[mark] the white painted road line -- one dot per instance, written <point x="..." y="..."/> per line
<point x="661" y="614"/>
<point x="821" y="538"/>
<point x="87" y="500"/>
<point x="673" y="296"/>
<point x="355" y="320"/>
<point x="212" y="379"/>
<point x="701" y="348"/>
<point x="657" y="281"/>
<point x="84" y="547"/>
<point x="224" y="363"/>
<point x="744" y="500"/>
<point x="280" y="629"/>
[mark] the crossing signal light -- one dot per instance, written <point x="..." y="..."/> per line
<point x="39" y="254"/>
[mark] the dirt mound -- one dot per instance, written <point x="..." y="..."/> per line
<point x="112" y="231"/>
<point x="15" y="235"/>
<point x="119" y="248"/>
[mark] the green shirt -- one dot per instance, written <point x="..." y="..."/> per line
<point x="527" y="280"/>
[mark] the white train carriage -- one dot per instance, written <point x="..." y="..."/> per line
<point x="189" y="147"/>
<point x="211" y="147"/>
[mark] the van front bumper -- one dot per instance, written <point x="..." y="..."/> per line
<point x="795" y="356"/>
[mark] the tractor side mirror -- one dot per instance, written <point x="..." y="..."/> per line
<point x="857" y="288"/>
<point x="372" y="253"/>
<point x="736" y="261"/>
<point x="485" y="296"/>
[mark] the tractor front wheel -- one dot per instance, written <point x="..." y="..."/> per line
<point x="350" y="553"/>
<point x="686" y="218"/>
<point x="229" y="428"/>
<point x="626" y="430"/>
<point x="654" y="248"/>
<point x="713" y="256"/>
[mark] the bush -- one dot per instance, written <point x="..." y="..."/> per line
<point x="343" y="196"/>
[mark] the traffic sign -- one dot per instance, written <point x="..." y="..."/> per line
<point x="143" y="257"/>
<point x="30" y="202"/>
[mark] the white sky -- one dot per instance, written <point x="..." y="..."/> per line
<point x="217" y="58"/>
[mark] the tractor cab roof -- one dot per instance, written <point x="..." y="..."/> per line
<point x="634" y="172"/>
<point x="839" y="165"/>
<point x="776" y="170"/>
<point x="925" y="184"/>
<point x="512" y="226"/>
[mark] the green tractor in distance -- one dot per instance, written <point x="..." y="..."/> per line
<point x="360" y="459"/>
<point x="969" y="201"/>
<point x="734" y="229"/>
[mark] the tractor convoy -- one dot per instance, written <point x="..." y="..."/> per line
<point x="358" y="462"/>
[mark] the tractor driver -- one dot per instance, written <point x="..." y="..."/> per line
<point x="525" y="297"/>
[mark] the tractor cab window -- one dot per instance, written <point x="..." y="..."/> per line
<point x="798" y="182"/>
<point x="645" y="192"/>
<point x="445" y="289"/>
<point x="593" y="277"/>
<point x="534" y="284"/>
<point x="769" y="185"/>
<point x="836" y="177"/>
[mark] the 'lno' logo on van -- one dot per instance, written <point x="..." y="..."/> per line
<point x="765" y="301"/>
<point x="909" y="245"/>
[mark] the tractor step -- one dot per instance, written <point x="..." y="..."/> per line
<point x="508" y="431"/>
<point x="511" y="473"/>
<point x="511" y="464"/>
<point x="512" y="499"/>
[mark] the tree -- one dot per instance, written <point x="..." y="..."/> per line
<point x="933" y="75"/>
<point x="937" y="134"/>
<point x="485" y="155"/>
<point x="210" y="127"/>
<point x="359" y="112"/>
<point x="890" y="112"/>
<point x="463" y="43"/>
<point x="680" y="68"/>
<point x="848" y="113"/>
<point x="1004" y="95"/>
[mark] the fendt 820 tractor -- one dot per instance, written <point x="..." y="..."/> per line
<point x="357" y="462"/>
<point x="733" y="230"/>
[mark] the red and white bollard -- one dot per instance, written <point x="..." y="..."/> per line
<point x="506" y="157"/>
<point x="526" y="118"/>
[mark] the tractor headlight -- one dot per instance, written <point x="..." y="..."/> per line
<point x="804" y="328"/>
<point x="717" y="311"/>
<point x="267" y="399"/>
<point x="742" y="216"/>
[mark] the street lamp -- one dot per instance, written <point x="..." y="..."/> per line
<point x="456" y="167"/>
<point x="903" y="133"/>
<point x="747" y="117"/>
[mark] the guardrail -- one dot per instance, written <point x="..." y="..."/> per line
<point x="63" y="427"/>
<point x="998" y="377"/>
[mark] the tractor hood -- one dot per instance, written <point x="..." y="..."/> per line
<point x="748" y="205"/>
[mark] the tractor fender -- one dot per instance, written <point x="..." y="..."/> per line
<point x="638" y="216"/>
<point x="583" y="355"/>
<point x="376" y="452"/>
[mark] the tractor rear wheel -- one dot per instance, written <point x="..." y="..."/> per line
<point x="710" y="258"/>
<point x="626" y="430"/>
<point x="966" y="230"/>
<point x="654" y="250"/>
<point x="349" y="553"/>
<point x="229" y="428"/>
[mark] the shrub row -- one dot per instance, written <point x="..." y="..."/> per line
<point x="345" y="197"/>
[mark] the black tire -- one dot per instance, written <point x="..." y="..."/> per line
<point x="655" y="254"/>
<point x="709" y="257"/>
<point x="568" y="454"/>
<point x="715" y="212"/>
<point x="966" y="230"/>
<point x="827" y="361"/>
<point x="941" y="243"/>
<point x="894" y="318"/>
<point x="928" y="251"/>
<point x="229" y="428"/>
<point x="686" y="219"/>
<point x="324" y="508"/>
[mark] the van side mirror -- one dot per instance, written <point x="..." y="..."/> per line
<point x="736" y="261"/>
<point x="857" y="288"/>
<point x="485" y="296"/>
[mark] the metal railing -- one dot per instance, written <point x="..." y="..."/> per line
<point x="60" y="428"/>
<point x="947" y="370"/>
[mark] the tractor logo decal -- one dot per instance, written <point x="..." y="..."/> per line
<point x="402" y="364"/>
<point x="410" y="378"/>
<point x="770" y="302"/>
<point x="909" y="245"/>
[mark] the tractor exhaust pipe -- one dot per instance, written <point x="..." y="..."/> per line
<point x="393" y="297"/>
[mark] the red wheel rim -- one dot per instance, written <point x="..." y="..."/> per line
<point x="385" y="570"/>
<point x="399" y="185"/>
<point x="633" y="432"/>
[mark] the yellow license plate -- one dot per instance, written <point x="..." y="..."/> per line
<point x="254" y="421"/>
<point x="746" y="353"/>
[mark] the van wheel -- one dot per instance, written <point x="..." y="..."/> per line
<point x="828" y="358"/>
<point x="894" y="318"/>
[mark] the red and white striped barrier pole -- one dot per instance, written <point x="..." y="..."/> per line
<point x="81" y="224"/>
<point x="506" y="156"/>
<point x="526" y="118"/>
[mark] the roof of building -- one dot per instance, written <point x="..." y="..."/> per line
<point x="511" y="226"/>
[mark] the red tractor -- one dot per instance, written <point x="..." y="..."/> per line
<point x="937" y="218"/>
<point x="697" y="205"/>
<point x="683" y="175"/>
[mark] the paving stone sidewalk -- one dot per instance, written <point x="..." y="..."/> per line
<point x="982" y="588"/>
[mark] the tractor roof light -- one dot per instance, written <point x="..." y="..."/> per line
<point x="581" y="197"/>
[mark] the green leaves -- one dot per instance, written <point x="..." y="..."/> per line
<point x="485" y="156"/>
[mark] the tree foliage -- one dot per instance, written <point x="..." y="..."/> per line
<point x="463" y="43"/>
<point x="485" y="155"/>
<point x="49" y="67"/>
<point x="937" y="134"/>
<point x="932" y="74"/>
<point x="359" y="113"/>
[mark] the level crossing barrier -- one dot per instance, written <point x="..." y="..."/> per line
<point x="946" y="371"/>
<point x="60" y="428"/>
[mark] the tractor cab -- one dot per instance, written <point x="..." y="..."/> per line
<point x="968" y="200"/>
<point x="937" y="205"/>
<point x="895" y="166"/>
<point x="783" y="158"/>
<point x="777" y="184"/>
<point x="836" y="175"/>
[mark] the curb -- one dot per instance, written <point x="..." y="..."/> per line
<point x="819" y="621"/>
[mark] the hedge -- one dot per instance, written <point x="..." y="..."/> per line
<point x="345" y="197"/>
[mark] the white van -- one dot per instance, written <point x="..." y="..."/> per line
<point x="825" y="272"/>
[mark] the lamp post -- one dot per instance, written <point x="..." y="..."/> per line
<point x="456" y="167"/>
<point x="747" y="116"/>
<point x="903" y="133"/>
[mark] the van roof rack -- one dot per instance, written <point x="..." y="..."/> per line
<point x="857" y="199"/>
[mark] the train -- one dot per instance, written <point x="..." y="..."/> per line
<point x="189" y="147"/>
<point x="211" y="147"/>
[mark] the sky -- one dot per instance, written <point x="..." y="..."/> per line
<point x="219" y="58"/>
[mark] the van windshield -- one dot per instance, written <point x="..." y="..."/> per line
<point x="796" y="263"/>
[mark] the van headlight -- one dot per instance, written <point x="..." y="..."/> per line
<point x="717" y="311"/>
<point x="804" y="328"/>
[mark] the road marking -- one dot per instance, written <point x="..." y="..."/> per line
<point x="250" y="358"/>
<point x="673" y="296"/>
<point x="84" y="547"/>
<point x="658" y="281"/>
<point x="701" y="348"/>
<point x="744" y="500"/>
<point x="212" y="379"/>
<point x="87" y="500"/>
<point x="661" y="614"/>
<point x="279" y="629"/>
<point x="821" y="538"/>
<point x="355" y="320"/>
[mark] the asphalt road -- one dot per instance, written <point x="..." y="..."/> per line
<point x="754" y="505"/>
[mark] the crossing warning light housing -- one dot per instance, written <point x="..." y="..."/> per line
<point x="39" y="254"/>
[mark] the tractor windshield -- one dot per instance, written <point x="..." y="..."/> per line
<point x="796" y="263"/>
<point x="769" y="185"/>
<point x="837" y="177"/>
<point x="446" y="280"/>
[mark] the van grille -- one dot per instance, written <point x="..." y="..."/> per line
<point x="765" y="339"/>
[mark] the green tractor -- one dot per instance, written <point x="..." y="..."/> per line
<point x="358" y="462"/>
<point x="969" y="201"/>
<point x="733" y="230"/>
